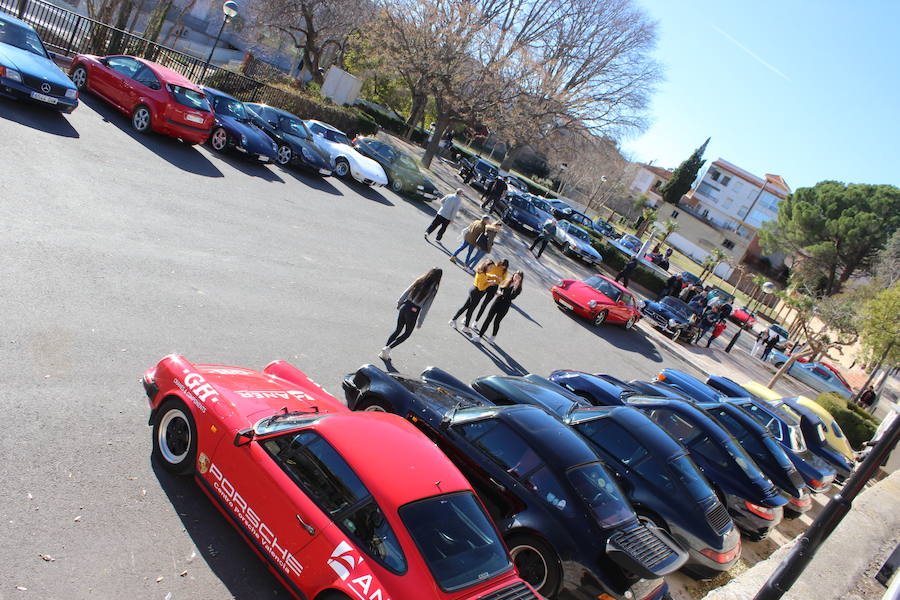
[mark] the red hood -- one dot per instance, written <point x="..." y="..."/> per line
<point x="582" y="293"/>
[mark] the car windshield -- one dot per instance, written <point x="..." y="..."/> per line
<point x="779" y="330"/>
<point x="456" y="539"/>
<point x="677" y="306"/>
<point x="579" y="234"/>
<point x="604" y="287"/>
<point x="542" y="205"/>
<point x="230" y="108"/>
<point x="292" y="125"/>
<point x="406" y="162"/>
<point x="332" y="135"/>
<point x="22" y="38"/>
<point x="601" y="494"/>
<point x="188" y="97"/>
<point x="524" y="205"/>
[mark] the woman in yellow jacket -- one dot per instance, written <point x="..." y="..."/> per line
<point x="483" y="280"/>
<point x="501" y="271"/>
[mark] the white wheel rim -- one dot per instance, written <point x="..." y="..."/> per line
<point x="341" y="169"/>
<point x="284" y="155"/>
<point x="219" y="139"/>
<point x="515" y="552"/>
<point x="600" y="318"/>
<point x="172" y="418"/>
<point x="374" y="408"/>
<point x="79" y="77"/>
<point x="141" y="119"/>
<point x="630" y="323"/>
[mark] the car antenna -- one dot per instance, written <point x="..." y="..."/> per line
<point x="284" y="409"/>
<point x="438" y="484"/>
<point x="449" y="416"/>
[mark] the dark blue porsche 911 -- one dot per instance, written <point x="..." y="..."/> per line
<point x="235" y="131"/>
<point x="27" y="71"/>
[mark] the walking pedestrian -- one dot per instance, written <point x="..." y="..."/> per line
<point x="494" y="191"/>
<point x="485" y="242"/>
<point x="547" y="233"/>
<point x="470" y="234"/>
<point x="760" y="337"/>
<point x="698" y="303"/>
<point x="480" y="284"/>
<point x="412" y="307"/>
<point x="707" y="321"/>
<point x="867" y="398"/>
<point x="508" y="292"/>
<point x="500" y="270"/>
<point x="625" y="273"/>
<point x="725" y="311"/>
<point x="771" y="340"/>
<point x="449" y="207"/>
<point x="718" y="328"/>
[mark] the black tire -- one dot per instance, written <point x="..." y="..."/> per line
<point x="141" y="118"/>
<point x="537" y="563"/>
<point x="396" y="185"/>
<point x="373" y="403"/>
<point x="341" y="167"/>
<point x="80" y="77"/>
<point x="284" y="155"/>
<point x="600" y="318"/>
<point x="218" y="139"/>
<point x="175" y="437"/>
<point x="332" y="595"/>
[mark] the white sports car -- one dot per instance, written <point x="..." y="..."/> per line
<point x="347" y="161"/>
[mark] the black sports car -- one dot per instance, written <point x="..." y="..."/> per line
<point x="661" y="481"/>
<point x="401" y="169"/>
<point x="672" y="316"/>
<point x="235" y="130"/>
<point x="570" y="531"/>
<point x="296" y="144"/>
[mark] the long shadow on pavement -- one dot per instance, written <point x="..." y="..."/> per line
<point x="37" y="117"/>
<point x="633" y="340"/>
<point x="248" y="167"/>
<point x="369" y="192"/>
<point x="178" y="154"/>
<point x="314" y="181"/>
<point x="421" y="205"/>
<point x="498" y="356"/>
<point x="220" y="545"/>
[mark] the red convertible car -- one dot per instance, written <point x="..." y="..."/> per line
<point x="743" y="317"/>
<point x="597" y="298"/>
<point x="155" y="97"/>
<point x="341" y="505"/>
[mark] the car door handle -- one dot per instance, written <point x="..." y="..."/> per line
<point x="498" y="484"/>
<point x="309" y="528"/>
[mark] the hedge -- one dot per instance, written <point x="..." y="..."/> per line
<point x="615" y="260"/>
<point x="858" y="425"/>
<point x="349" y="120"/>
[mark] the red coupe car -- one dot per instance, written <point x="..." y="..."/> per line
<point x="597" y="298"/>
<point x="155" y="97"/>
<point x="743" y="317"/>
<point x="341" y="505"/>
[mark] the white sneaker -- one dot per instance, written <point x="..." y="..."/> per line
<point x="475" y="337"/>
<point x="489" y="339"/>
<point x="385" y="353"/>
<point x="452" y="323"/>
<point x="466" y="329"/>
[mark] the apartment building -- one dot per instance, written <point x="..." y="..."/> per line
<point x="647" y="179"/>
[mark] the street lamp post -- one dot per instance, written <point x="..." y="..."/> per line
<point x="230" y="9"/>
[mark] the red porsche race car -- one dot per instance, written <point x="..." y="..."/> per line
<point x="597" y="298"/>
<point x="743" y="317"/>
<point x="341" y="505"/>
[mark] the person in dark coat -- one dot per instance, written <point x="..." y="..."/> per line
<point x="547" y="233"/>
<point x="495" y="190"/>
<point x="867" y="398"/>
<point x="412" y="307"/>
<point x="672" y="287"/>
<point x="724" y="311"/>
<point x="771" y="340"/>
<point x="625" y="273"/>
<point x="708" y="321"/>
<point x="503" y="300"/>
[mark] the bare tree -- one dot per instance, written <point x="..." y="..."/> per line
<point x="317" y="28"/>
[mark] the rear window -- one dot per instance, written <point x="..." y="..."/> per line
<point x="456" y="539"/>
<point x="188" y="97"/>
<point x="601" y="494"/>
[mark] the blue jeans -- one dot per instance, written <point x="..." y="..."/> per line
<point x="462" y="247"/>
<point x="474" y="260"/>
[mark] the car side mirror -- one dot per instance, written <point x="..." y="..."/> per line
<point x="244" y="437"/>
<point x="104" y="62"/>
<point x="621" y="303"/>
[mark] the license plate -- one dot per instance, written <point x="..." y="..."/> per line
<point x="430" y="196"/>
<point x="193" y="118"/>
<point x="43" y="98"/>
<point x="567" y="305"/>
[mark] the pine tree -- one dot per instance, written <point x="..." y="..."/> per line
<point x="682" y="178"/>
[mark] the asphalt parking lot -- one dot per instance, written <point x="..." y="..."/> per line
<point x="120" y="249"/>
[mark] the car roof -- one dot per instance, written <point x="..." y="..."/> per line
<point x="276" y="110"/>
<point x="325" y="125"/>
<point x="166" y="74"/>
<point x="219" y="93"/>
<point x="618" y="285"/>
<point x="639" y="425"/>
<point x="403" y="466"/>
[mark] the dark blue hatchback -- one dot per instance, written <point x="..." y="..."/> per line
<point x="26" y="70"/>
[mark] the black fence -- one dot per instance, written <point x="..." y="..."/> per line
<point x="67" y="33"/>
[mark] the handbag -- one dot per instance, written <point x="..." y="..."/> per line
<point x="482" y="242"/>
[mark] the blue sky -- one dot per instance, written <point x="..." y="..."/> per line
<point x="809" y="90"/>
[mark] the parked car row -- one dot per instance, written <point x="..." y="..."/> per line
<point x="158" y="99"/>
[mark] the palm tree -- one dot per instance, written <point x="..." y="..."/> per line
<point x="668" y="228"/>
<point x="712" y="260"/>
<point x="647" y="217"/>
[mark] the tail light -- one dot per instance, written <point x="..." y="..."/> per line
<point x="723" y="557"/>
<point x="661" y="377"/>
<point x="761" y="511"/>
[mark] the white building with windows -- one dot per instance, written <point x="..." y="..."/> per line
<point x="736" y="200"/>
<point x="647" y="179"/>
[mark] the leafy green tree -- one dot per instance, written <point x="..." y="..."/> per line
<point x="683" y="177"/>
<point x="833" y="230"/>
<point x="668" y="228"/>
<point x="880" y="330"/>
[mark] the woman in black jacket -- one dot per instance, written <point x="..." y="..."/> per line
<point x="504" y="299"/>
<point x="413" y="305"/>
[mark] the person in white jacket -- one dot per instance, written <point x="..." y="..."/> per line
<point x="412" y="307"/>
<point x="449" y="207"/>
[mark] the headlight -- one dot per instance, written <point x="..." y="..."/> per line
<point x="573" y="247"/>
<point x="673" y="323"/>
<point x="10" y="74"/>
<point x="559" y="282"/>
<point x="592" y="304"/>
<point x="642" y="304"/>
<point x="243" y="140"/>
<point x="71" y="94"/>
